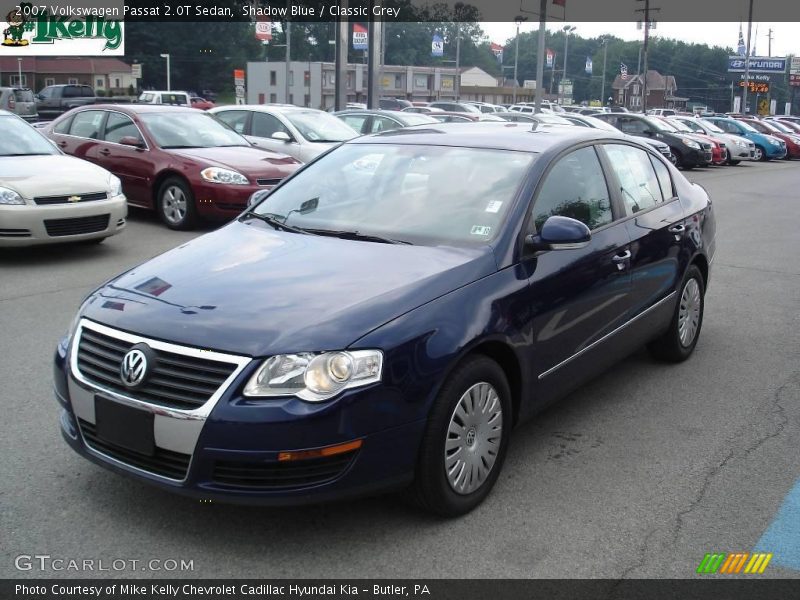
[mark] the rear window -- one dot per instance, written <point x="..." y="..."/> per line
<point x="175" y="99"/>
<point x="23" y="95"/>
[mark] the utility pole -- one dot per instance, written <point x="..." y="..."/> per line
<point x="374" y="35"/>
<point x="567" y="29"/>
<point x="603" y="83"/>
<point x="769" y="42"/>
<point x="646" y="12"/>
<point x="540" y="56"/>
<point x="458" y="61"/>
<point x="519" y="21"/>
<point x="288" y="58"/>
<point x="340" y="84"/>
<point x="746" y="87"/>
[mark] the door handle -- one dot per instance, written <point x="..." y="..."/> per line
<point x="618" y="258"/>
<point x="105" y="152"/>
<point x="677" y="229"/>
<point x="62" y="144"/>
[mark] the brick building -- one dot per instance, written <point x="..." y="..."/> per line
<point x="109" y="75"/>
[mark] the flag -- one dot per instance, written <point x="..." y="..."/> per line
<point x="588" y="65"/>
<point x="623" y="70"/>
<point x="437" y="45"/>
<point x="741" y="49"/>
<point x="360" y="37"/>
<point x="550" y="58"/>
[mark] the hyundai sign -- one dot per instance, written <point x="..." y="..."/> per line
<point x="758" y="64"/>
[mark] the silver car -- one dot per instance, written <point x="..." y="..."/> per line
<point x="739" y="148"/>
<point x="19" y="101"/>
<point x="303" y="133"/>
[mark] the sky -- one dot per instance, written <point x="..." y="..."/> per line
<point x="785" y="39"/>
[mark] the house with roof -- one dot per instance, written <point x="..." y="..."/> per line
<point x="661" y="91"/>
<point x="109" y="75"/>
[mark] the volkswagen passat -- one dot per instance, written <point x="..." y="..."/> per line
<point x="387" y="315"/>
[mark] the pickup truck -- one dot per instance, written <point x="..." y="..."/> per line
<point x="55" y="100"/>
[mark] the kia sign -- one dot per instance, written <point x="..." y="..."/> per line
<point x="264" y="30"/>
<point x="758" y="64"/>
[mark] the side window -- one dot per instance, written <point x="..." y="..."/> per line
<point x="235" y="119"/>
<point x="664" y="180"/>
<point x="575" y="187"/>
<point x="119" y="126"/>
<point x="87" y="92"/>
<point x="631" y="126"/>
<point x="639" y="186"/>
<point x="383" y="124"/>
<point x="86" y="124"/>
<point x="355" y="121"/>
<point x="265" y="125"/>
<point x="71" y="91"/>
<point x="63" y="127"/>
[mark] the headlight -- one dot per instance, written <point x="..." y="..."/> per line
<point x="217" y="175"/>
<point x="115" y="185"/>
<point x="9" y="196"/>
<point x="315" y="377"/>
<point x="774" y="142"/>
<point x="691" y="143"/>
<point x="741" y="143"/>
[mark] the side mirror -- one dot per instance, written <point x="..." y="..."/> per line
<point x="559" y="233"/>
<point x="648" y="132"/>
<point x="282" y="136"/>
<point x="130" y="140"/>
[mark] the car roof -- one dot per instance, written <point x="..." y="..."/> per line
<point x="144" y="108"/>
<point x="4" y="113"/>
<point x="279" y="108"/>
<point x="397" y="115"/>
<point x="501" y="135"/>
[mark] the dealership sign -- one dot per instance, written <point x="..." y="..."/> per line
<point x="760" y="64"/>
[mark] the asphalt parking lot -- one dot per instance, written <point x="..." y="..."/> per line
<point x="637" y="474"/>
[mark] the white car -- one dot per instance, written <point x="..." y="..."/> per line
<point x="48" y="197"/>
<point x="165" y="97"/>
<point x="739" y="148"/>
<point x="303" y="133"/>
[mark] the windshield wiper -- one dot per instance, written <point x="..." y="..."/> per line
<point x="276" y="223"/>
<point x="180" y="147"/>
<point x="356" y="235"/>
<point x="29" y="154"/>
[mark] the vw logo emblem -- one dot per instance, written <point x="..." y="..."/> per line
<point x="133" y="368"/>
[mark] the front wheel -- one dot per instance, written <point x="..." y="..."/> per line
<point x="760" y="154"/>
<point x="176" y="205"/>
<point x="733" y="163"/>
<point x="466" y="439"/>
<point x="679" y="341"/>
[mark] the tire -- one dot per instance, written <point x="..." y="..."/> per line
<point x="673" y="345"/>
<point x="733" y="163"/>
<point x="683" y="164"/>
<point x="760" y="155"/>
<point x="467" y="390"/>
<point x="175" y="204"/>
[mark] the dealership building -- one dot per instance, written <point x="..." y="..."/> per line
<point x="313" y="84"/>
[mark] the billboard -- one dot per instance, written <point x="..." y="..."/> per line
<point x="758" y="64"/>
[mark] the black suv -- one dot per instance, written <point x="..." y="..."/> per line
<point x="689" y="152"/>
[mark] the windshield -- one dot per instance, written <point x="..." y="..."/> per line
<point x="711" y="126"/>
<point x="551" y="120"/>
<point x="415" y="119"/>
<point x="422" y="194"/>
<point x="318" y="126"/>
<point x="659" y="124"/>
<point x="747" y="127"/>
<point x="681" y="126"/>
<point x="189" y="130"/>
<point x="20" y="139"/>
<point x="776" y="127"/>
<point x="598" y="123"/>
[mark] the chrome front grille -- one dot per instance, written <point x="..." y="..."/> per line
<point x="176" y="380"/>
<point x="71" y="199"/>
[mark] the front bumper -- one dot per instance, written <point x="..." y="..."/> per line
<point x="27" y="224"/>
<point x="224" y="201"/>
<point x="229" y="449"/>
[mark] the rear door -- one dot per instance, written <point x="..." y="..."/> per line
<point x="654" y="219"/>
<point x="82" y="134"/>
<point x="578" y="297"/>
<point x="134" y="166"/>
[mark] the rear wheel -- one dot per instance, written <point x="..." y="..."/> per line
<point x="466" y="439"/>
<point x="679" y="341"/>
<point x="176" y="205"/>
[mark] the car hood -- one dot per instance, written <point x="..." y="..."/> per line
<point x="248" y="289"/>
<point x="65" y="176"/>
<point x="245" y="159"/>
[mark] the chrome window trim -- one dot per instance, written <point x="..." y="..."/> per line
<point x="606" y="336"/>
<point x="199" y="413"/>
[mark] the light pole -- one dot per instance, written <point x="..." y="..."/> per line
<point x="518" y="21"/>
<point x="540" y="55"/>
<point x="288" y="58"/>
<point x="604" y="41"/>
<point x="458" y="61"/>
<point x="169" y="82"/>
<point x="19" y="72"/>
<point x="567" y="29"/>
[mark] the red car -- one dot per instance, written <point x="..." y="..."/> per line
<point x="201" y="103"/>
<point x="181" y="162"/>
<point x="769" y="128"/>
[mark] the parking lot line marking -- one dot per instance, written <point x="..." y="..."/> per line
<point x="782" y="537"/>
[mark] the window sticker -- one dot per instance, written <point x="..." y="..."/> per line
<point x="480" y="230"/>
<point x="494" y="206"/>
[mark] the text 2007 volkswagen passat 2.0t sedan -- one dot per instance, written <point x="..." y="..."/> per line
<point x="387" y="315"/>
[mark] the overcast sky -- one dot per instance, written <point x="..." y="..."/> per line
<point x="785" y="38"/>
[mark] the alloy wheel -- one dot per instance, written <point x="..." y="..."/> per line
<point x="689" y="312"/>
<point x="174" y="204"/>
<point x="758" y="154"/>
<point x="473" y="438"/>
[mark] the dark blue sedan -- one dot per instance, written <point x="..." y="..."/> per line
<point x="387" y="315"/>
